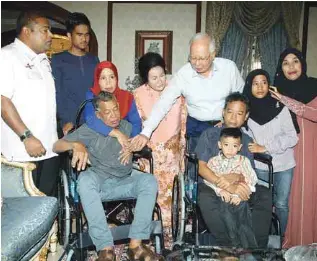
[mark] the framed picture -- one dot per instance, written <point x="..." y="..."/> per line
<point x="154" y="41"/>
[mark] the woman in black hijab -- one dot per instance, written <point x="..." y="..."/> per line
<point x="271" y="126"/>
<point x="298" y="92"/>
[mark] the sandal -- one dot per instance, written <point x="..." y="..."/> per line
<point x="143" y="253"/>
<point x="106" y="255"/>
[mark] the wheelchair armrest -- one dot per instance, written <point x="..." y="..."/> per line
<point x="264" y="158"/>
<point x="145" y="153"/>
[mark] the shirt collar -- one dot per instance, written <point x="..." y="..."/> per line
<point x="28" y="52"/>
<point x="215" y="68"/>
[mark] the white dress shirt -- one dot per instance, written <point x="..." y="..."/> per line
<point x="205" y="96"/>
<point x="26" y="79"/>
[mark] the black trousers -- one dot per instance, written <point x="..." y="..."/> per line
<point x="45" y="175"/>
<point x="260" y="203"/>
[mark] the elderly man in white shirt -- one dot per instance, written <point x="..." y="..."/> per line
<point x="28" y="108"/>
<point x="205" y="81"/>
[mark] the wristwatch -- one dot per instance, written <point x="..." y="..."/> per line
<point x="26" y="134"/>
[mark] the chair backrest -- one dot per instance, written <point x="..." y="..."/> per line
<point x="16" y="179"/>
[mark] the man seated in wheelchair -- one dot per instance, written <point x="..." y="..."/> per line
<point x="235" y="113"/>
<point x="110" y="177"/>
<point x="236" y="213"/>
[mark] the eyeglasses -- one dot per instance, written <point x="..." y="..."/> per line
<point x="200" y="59"/>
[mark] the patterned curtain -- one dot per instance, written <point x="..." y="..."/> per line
<point x="271" y="45"/>
<point x="235" y="37"/>
<point x="291" y="14"/>
<point x="256" y="18"/>
<point x="218" y="18"/>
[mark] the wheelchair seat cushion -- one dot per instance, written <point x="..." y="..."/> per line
<point x="24" y="222"/>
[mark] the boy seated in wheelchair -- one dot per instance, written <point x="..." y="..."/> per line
<point x="236" y="213"/>
<point x="110" y="177"/>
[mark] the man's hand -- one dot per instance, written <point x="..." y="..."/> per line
<point x="67" y="127"/>
<point x="138" y="142"/>
<point x="80" y="156"/>
<point x="223" y="183"/>
<point x="243" y="191"/>
<point x="256" y="148"/>
<point x="125" y="157"/>
<point x="34" y="147"/>
<point x="234" y="177"/>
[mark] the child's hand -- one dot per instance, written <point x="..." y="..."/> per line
<point x="225" y="196"/>
<point x="235" y="201"/>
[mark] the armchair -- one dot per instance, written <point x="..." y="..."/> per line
<point x="28" y="226"/>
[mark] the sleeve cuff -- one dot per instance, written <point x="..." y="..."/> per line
<point x="146" y="132"/>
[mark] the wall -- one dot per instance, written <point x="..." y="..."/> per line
<point x="180" y="18"/>
<point x="311" y="43"/>
<point x="97" y="14"/>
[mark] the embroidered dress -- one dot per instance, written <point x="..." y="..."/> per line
<point x="168" y="145"/>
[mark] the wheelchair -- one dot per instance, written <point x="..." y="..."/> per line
<point x="73" y="232"/>
<point x="189" y="233"/>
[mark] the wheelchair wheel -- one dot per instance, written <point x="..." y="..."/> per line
<point x="64" y="210"/>
<point x="178" y="209"/>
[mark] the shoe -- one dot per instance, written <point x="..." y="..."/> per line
<point x="143" y="253"/>
<point x="106" y="255"/>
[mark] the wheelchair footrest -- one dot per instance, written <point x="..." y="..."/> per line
<point x="118" y="233"/>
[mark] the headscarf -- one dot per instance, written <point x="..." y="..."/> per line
<point x="123" y="97"/>
<point x="265" y="109"/>
<point x="303" y="89"/>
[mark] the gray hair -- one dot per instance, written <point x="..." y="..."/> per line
<point x="212" y="44"/>
<point x="102" y="97"/>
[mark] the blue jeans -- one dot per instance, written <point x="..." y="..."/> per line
<point x="282" y="182"/>
<point x="94" y="189"/>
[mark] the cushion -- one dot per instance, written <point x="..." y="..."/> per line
<point x="24" y="222"/>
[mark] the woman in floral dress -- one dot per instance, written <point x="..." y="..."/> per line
<point x="168" y="140"/>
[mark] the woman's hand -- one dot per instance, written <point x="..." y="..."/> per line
<point x="256" y="148"/>
<point x="274" y="93"/>
<point x="138" y="142"/>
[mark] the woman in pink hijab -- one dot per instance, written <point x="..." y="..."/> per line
<point x="168" y="140"/>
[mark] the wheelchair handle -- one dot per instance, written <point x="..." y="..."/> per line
<point x="266" y="159"/>
<point x="80" y="110"/>
<point x="262" y="157"/>
<point x="145" y="153"/>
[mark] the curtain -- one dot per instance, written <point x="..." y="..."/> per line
<point x="235" y="37"/>
<point x="291" y="14"/>
<point x="271" y="45"/>
<point x="256" y="18"/>
<point x="218" y="17"/>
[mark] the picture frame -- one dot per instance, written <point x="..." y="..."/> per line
<point x="154" y="41"/>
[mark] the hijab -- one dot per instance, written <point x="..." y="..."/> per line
<point x="123" y="97"/>
<point x="265" y="109"/>
<point x="303" y="89"/>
